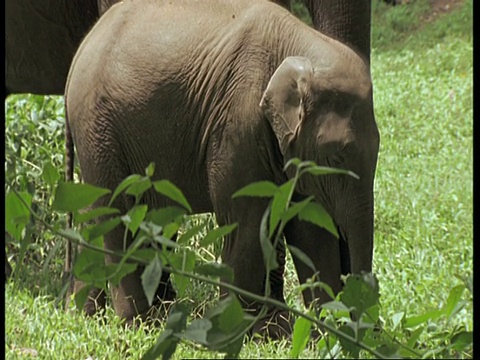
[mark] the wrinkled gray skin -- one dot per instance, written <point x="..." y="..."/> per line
<point x="217" y="106"/>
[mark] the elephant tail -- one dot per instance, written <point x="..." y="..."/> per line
<point x="69" y="171"/>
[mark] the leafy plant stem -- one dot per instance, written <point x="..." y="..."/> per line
<point x="260" y="299"/>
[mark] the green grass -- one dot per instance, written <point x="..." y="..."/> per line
<point x="423" y="81"/>
<point x="424" y="185"/>
<point x="423" y="105"/>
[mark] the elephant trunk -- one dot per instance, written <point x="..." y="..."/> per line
<point x="350" y="203"/>
<point x="355" y="222"/>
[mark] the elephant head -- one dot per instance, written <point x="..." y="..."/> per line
<point x="310" y="111"/>
<point x="310" y="108"/>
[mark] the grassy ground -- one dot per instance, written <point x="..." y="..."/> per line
<point x="424" y="109"/>
<point x="423" y="79"/>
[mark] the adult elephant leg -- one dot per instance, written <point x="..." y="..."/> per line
<point x="241" y="248"/>
<point x="128" y="298"/>
<point x="96" y="298"/>
<point x="8" y="268"/>
<point x="345" y="20"/>
<point x="323" y="249"/>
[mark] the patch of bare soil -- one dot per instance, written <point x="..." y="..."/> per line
<point x="439" y="7"/>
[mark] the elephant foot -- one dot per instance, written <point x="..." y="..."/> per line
<point x="164" y="299"/>
<point x="95" y="302"/>
<point x="136" y="312"/>
<point x="8" y="269"/>
<point x="276" y="325"/>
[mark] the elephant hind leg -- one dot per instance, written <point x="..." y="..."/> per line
<point x="95" y="302"/>
<point x="96" y="298"/>
<point x="276" y="325"/>
<point x="8" y="269"/>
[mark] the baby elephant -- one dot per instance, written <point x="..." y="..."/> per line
<point x="220" y="94"/>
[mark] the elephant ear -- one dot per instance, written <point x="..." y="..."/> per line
<point x="283" y="100"/>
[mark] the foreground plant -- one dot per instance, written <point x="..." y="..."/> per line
<point x="349" y="325"/>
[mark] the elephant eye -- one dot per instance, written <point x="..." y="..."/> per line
<point x="340" y="103"/>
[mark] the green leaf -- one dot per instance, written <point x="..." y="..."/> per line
<point x="233" y="344"/>
<point x="393" y="351"/>
<point x="324" y="286"/>
<point x="164" y="347"/>
<point x="461" y="340"/>
<point x="71" y="234"/>
<point x="81" y="296"/>
<point x="231" y="315"/>
<point x="50" y="173"/>
<point x="90" y="265"/>
<point x="136" y="214"/>
<point x="279" y="205"/>
<point x="17" y="215"/>
<point x="295" y="162"/>
<point x="190" y="233"/>
<point x="198" y="331"/>
<point x="397" y="319"/>
<point x="229" y="325"/>
<point x="372" y="314"/>
<point x="349" y="347"/>
<point x="123" y="185"/>
<point x="151" y="277"/>
<point x="71" y="197"/>
<point x="223" y="271"/>
<point x="150" y="169"/>
<point x="335" y="306"/>
<point x="177" y="320"/>
<point x="150" y="228"/>
<point x="453" y="299"/>
<point x="168" y="189"/>
<point x="268" y="251"/>
<point x="324" y="170"/>
<point x="300" y="255"/>
<point x="169" y="244"/>
<point x="185" y="262"/>
<point x="301" y="334"/>
<point x="165" y="215"/>
<point x="327" y="341"/>
<point x="414" y="335"/>
<point x="144" y="254"/>
<point x="316" y="214"/>
<point x="258" y="189"/>
<point x="420" y="319"/>
<point x="167" y="342"/>
<point x="360" y="293"/>
<point x="116" y="272"/>
<point x="94" y="213"/>
<point x="170" y="230"/>
<point x="103" y="228"/>
<point x="295" y="208"/>
<point x="138" y="188"/>
<point x="217" y="233"/>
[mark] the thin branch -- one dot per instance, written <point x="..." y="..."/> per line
<point x="261" y="299"/>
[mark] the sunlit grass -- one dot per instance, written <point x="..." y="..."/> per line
<point x="424" y="203"/>
<point x="424" y="184"/>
